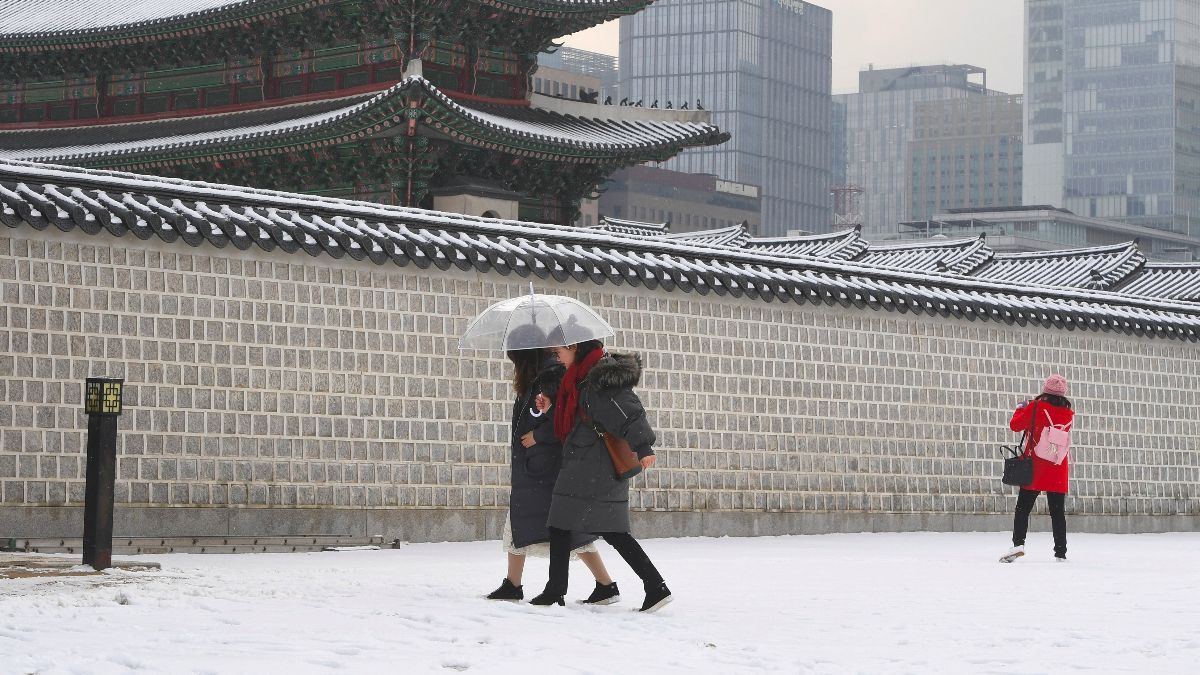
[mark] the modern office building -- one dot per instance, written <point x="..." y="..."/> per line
<point x="764" y="67"/>
<point x="965" y="153"/>
<point x="687" y="201"/>
<point x="590" y="64"/>
<point x="1112" y="110"/>
<point x="1021" y="229"/>
<point x="879" y="125"/>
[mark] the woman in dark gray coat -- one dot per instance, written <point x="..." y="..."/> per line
<point x="536" y="458"/>
<point x="597" y="395"/>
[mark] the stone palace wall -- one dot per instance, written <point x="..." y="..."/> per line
<point x="276" y="393"/>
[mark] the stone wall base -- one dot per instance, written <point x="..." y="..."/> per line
<point x="426" y="525"/>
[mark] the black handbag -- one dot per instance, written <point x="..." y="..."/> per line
<point x="1018" y="469"/>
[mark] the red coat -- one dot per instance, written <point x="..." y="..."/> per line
<point x="1047" y="476"/>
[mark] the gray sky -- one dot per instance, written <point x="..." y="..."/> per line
<point x="888" y="33"/>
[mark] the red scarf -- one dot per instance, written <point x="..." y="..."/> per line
<point x="567" y="400"/>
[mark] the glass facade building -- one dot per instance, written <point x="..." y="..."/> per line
<point x="878" y="128"/>
<point x="764" y="68"/>
<point x="965" y="153"/>
<point x="1112" y="113"/>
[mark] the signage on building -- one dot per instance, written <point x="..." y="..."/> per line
<point x="737" y="188"/>
<point x="796" y="6"/>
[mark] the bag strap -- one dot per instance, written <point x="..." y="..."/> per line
<point x="1066" y="427"/>
<point x="1029" y="432"/>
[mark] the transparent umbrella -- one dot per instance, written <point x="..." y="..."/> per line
<point x="532" y="322"/>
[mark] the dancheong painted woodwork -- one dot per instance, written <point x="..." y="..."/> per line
<point x="375" y="99"/>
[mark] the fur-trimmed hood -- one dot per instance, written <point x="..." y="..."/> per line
<point x="616" y="371"/>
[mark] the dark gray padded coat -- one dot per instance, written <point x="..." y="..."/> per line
<point x="587" y="496"/>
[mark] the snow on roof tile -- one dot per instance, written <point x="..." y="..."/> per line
<point x="841" y="245"/>
<point x="1101" y="267"/>
<point x="960" y="256"/>
<point x="619" y="226"/>
<point x="37" y="195"/>
<point x="734" y="235"/>
<point x="27" y="20"/>
<point x="1169" y="281"/>
<point x="45" y="17"/>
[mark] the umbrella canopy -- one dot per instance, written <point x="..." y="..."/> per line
<point x="534" y="322"/>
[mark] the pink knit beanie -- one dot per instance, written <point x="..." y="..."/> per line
<point x="1056" y="385"/>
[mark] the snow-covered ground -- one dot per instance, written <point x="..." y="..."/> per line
<point x="871" y="603"/>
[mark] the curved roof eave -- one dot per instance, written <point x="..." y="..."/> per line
<point x="35" y="25"/>
<point x="109" y="22"/>
<point x="605" y="140"/>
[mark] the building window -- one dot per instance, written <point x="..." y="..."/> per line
<point x="389" y="74"/>
<point x="216" y="97"/>
<point x="324" y="83"/>
<point x="250" y="93"/>
<point x="155" y="104"/>
<point x="291" y="87"/>
<point x="125" y="106"/>
<point x="60" y="112"/>
<point x="187" y="101"/>
<point x="356" y="78"/>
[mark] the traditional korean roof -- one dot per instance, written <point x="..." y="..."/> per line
<point x="198" y="214"/>
<point x="520" y="129"/>
<point x="1101" y="267"/>
<point x="619" y="226"/>
<point x="956" y="256"/>
<point x="735" y="236"/>
<point x="54" y="23"/>
<point x="840" y="245"/>
<point x="614" y="8"/>
<point x="1170" y="281"/>
<point x="51" y="24"/>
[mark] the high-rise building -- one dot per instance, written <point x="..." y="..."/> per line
<point x="965" y="153"/>
<point x="764" y="67"/>
<point x="878" y="128"/>
<point x="1112" y="109"/>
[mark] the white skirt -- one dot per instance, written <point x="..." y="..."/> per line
<point x="541" y="550"/>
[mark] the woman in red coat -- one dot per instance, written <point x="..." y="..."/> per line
<point x="1051" y="407"/>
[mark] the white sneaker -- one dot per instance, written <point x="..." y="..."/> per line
<point x="1013" y="553"/>
<point x="1058" y="559"/>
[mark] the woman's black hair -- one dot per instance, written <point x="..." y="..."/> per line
<point x="587" y="347"/>
<point x="1056" y="401"/>
<point x="526" y="363"/>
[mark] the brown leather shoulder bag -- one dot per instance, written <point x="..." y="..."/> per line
<point x="626" y="463"/>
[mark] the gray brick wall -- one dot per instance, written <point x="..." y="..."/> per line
<point x="282" y="381"/>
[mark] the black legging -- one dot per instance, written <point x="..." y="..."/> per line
<point x="626" y="545"/>
<point x="1058" y="518"/>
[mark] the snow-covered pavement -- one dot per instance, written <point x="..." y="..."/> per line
<point x="872" y="603"/>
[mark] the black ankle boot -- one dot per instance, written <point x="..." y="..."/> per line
<point x="507" y="591"/>
<point x="603" y="595"/>
<point x="657" y="597"/>
<point x="548" y="598"/>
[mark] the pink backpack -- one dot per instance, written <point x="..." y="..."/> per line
<point x="1055" y="443"/>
